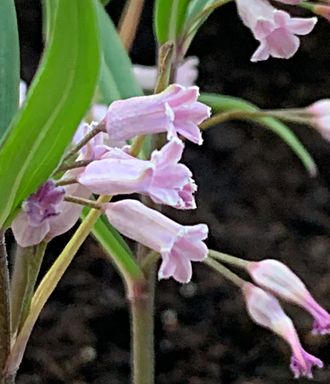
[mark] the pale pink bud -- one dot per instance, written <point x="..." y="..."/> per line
<point x="322" y="10"/>
<point x="175" y="111"/>
<point x="266" y="311"/>
<point x="162" y="178"/>
<point x="275" y="30"/>
<point x="186" y="75"/>
<point x="320" y="111"/>
<point x="177" y="244"/>
<point x="277" y="278"/>
<point x="45" y="214"/>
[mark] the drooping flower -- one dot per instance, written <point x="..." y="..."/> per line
<point x="177" y="244"/>
<point x="266" y="311"/>
<point x="275" y="29"/>
<point x="162" y="178"/>
<point x="45" y="214"/>
<point x="277" y="278"/>
<point x="186" y="75"/>
<point x="320" y="112"/>
<point x="175" y="111"/>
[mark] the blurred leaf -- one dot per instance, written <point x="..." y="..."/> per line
<point x="116" y="247"/>
<point x="221" y="103"/>
<point x="9" y="64"/>
<point x="169" y="19"/>
<point x="57" y="100"/>
<point x="117" y="79"/>
<point x="197" y="13"/>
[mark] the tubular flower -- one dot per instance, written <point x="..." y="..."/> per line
<point x="282" y="282"/>
<point x="266" y="311"/>
<point x="175" y="111"/>
<point x="177" y="244"/>
<point x="320" y="111"/>
<point x="186" y="75"/>
<point x="45" y="214"/>
<point x="162" y="178"/>
<point x="275" y="30"/>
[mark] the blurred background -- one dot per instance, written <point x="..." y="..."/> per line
<point x="253" y="193"/>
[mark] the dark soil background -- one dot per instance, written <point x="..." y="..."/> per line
<point x="259" y="203"/>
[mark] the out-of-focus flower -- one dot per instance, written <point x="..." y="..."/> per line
<point x="22" y="92"/>
<point x="186" y="75"/>
<point x="162" y="178"/>
<point x="320" y="111"/>
<point x="266" y="311"/>
<point x="275" y="30"/>
<point x="277" y="278"/>
<point x="178" y="245"/>
<point x="175" y="111"/>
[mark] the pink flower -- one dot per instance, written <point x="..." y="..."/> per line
<point x="45" y="214"/>
<point x="277" y="278"/>
<point x="178" y="245"/>
<point x="175" y="111"/>
<point x="266" y="311"/>
<point x="187" y="74"/>
<point x="320" y="111"/>
<point x="274" y="29"/>
<point x="290" y="2"/>
<point x="162" y="178"/>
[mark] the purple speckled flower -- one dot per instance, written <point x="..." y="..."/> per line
<point x="45" y="214"/>
<point x="266" y="311"/>
<point x="44" y="203"/>
<point x="277" y="278"/>
<point x="178" y="245"/>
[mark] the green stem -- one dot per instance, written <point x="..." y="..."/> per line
<point x="26" y="270"/>
<point x="83" y="202"/>
<point x="247" y="115"/>
<point x="47" y="286"/>
<point x="223" y="257"/>
<point x="5" y="323"/>
<point x="224" y="271"/>
<point x="142" y="328"/>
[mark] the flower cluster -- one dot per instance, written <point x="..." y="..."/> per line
<point x="275" y="279"/>
<point x="112" y="170"/>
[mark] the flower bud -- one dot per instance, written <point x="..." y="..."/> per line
<point x="277" y="278"/>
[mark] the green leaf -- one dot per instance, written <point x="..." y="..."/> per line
<point x="9" y="64"/>
<point x="222" y="103"/>
<point x="169" y="19"/>
<point x="58" y="99"/>
<point x="117" y="79"/>
<point x="116" y="247"/>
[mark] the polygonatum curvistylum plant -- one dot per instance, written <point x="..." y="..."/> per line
<point x="92" y="127"/>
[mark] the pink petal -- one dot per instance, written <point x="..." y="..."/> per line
<point x="301" y="26"/>
<point x="26" y="235"/>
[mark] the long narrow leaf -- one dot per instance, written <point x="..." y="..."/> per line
<point x="117" y="78"/>
<point x="222" y="103"/>
<point x="9" y="64"/>
<point x="169" y="19"/>
<point x="59" y="97"/>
